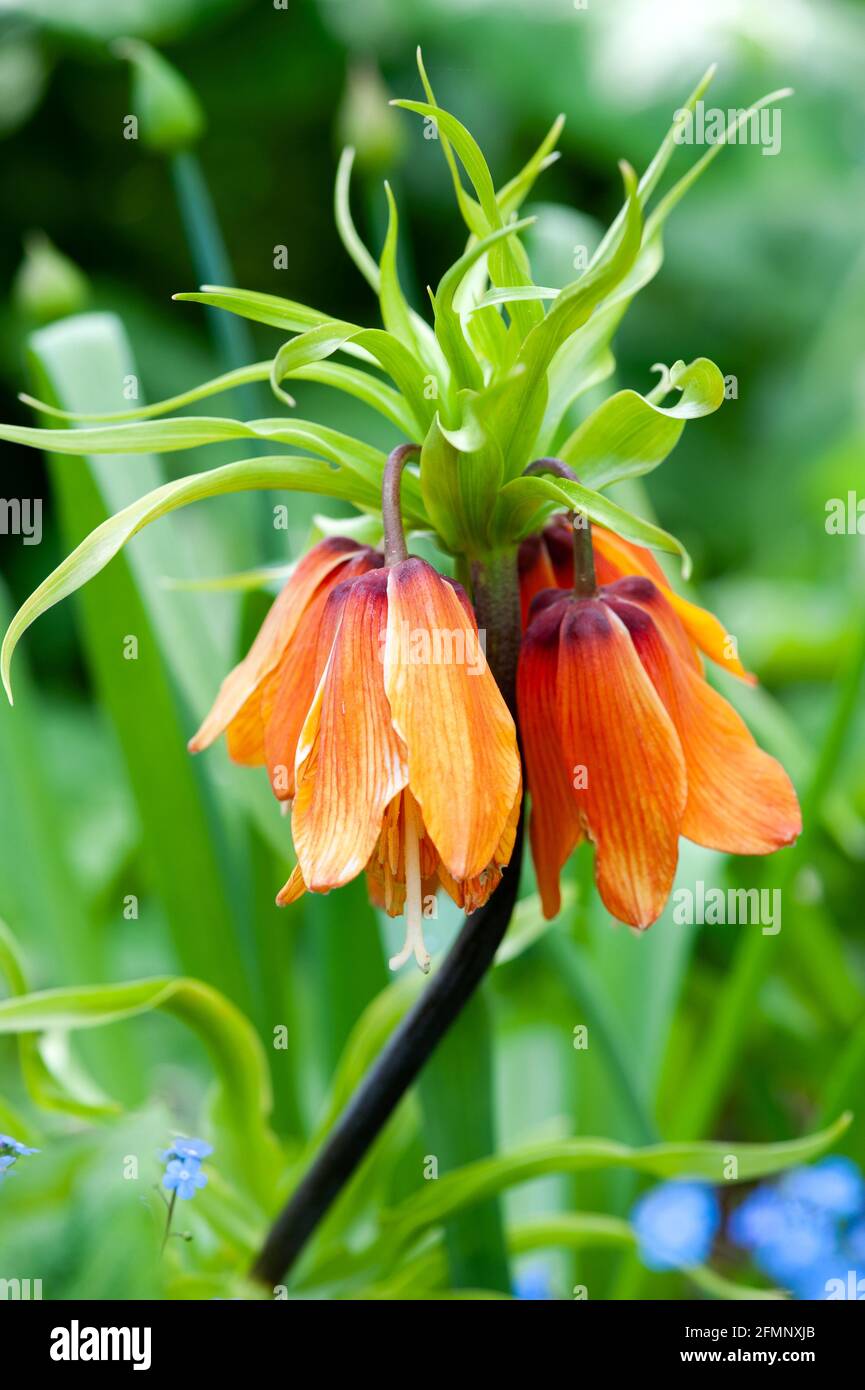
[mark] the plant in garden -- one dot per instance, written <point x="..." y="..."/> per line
<point x="385" y="722"/>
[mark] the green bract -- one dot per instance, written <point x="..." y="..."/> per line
<point x="485" y="389"/>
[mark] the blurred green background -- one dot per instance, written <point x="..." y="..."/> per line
<point x="708" y="1031"/>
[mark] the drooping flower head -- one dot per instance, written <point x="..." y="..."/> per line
<point x="407" y="763"/>
<point x="368" y="696"/>
<point x="625" y="742"/>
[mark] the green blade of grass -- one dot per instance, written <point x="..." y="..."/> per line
<point x="82" y="365"/>
<point x="456" y="1094"/>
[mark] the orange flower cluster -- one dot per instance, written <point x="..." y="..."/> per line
<point x="398" y="755"/>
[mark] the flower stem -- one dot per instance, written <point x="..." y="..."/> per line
<point x="394" y="536"/>
<point x="386" y="1083"/>
<point x="168" y="1218"/>
<point x="585" y="584"/>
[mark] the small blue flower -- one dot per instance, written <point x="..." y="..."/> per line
<point x="6" y="1162"/>
<point x="854" y="1241"/>
<point x="807" y="1237"/>
<point x="759" y="1219"/>
<point x="189" y="1150"/>
<point x="675" y="1224"/>
<point x="834" y="1185"/>
<point x="533" y="1283"/>
<point x="184" y="1178"/>
<point x="8" y="1145"/>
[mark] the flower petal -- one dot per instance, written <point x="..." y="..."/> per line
<point x="637" y="589"/>
<point x="287" y="692"/>
<point x="350" y="762"/>
<point x="464" y="768"/>
<point x="740" y="800"/>
<point x="703" y="628"/>
<point x="612" y="722"/>
<point x="293" y="889"/>
<point x="278" y="627"/>
<point x="536" y="572"/>
<point x="554" y="827"/>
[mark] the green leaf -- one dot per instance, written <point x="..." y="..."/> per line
<point x="710" y="1161"/>
<point x="395" y="311"/>
<point x="350" y="380"/>
<point x="93" y="554"/>
<point x="628" y="435"/>
<point x="329" y="337"/>
<point x="473" y="162"/>
<point x="513" y="293"/>
<point x="448" y="327"/>
<point x="511" y="196"/>
<point x="461" y="472"/>
<point x="244" y="1101"/>
<point x="271" y="309"/>
<point x="525" y="502"/>
<point x="348" y="233"/>
<point x="53" y="1080"/>
<point x="522" y="411"/>
<point x="456" y="1090"/>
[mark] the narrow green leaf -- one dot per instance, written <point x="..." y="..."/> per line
<point x="348" y="232"/>
<point x="95" y="551"/>
<point x="456" y="1090"/>
<point x="710" y="1161"/>
<point x="327" y="338"/>
<point x="628" y="435"/>
<point x="350" y="380"/>
<point x="524" y="503"/>
<point x="53" y="1081"/>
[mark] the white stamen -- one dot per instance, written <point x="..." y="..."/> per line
<point x="414" y="942"/>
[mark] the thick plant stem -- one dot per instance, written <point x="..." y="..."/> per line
<point x="496" y="598"/>
<point x="409" y="1046"/>
<point x="384" y="1086"/>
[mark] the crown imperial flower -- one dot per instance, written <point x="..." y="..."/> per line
<point x="625" y="741"/>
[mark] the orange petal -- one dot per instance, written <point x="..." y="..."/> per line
<point x="293" y="889"/>
<point x="287" y="692"/>
<point x="637" y="589"/>
<point x="536" y="573"/>
<point x="740" y="800"/>
<point x="554" y="828"/>
<point x="464" y="769"/>
<point x="710" y="635"/>
<point x="702" y="627"/>
<point x="350" y="763"/>
<point x="613" y="724"/>
<point x="276" y="630"/>
<point x="627" y="557"/>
